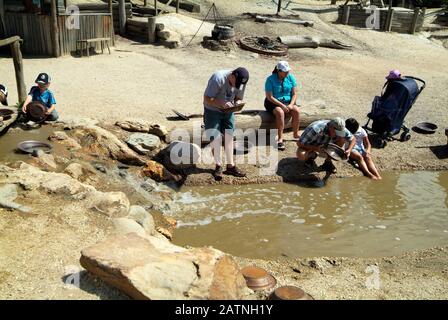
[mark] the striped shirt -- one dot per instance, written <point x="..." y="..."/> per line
<point x="317" y="134"/>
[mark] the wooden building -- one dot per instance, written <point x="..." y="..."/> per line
<point x="50" y="28"/>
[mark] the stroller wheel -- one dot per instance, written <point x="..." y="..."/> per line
<point x="405" y="136"/>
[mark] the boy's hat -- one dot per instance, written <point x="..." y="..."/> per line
<point x="43" y="78"/>
<point x="339" y="126"/>
<point x="242" y="77"/>
<point x="283" y="66"/>
<point x="3" y="95"/>
<point x="394" y="74"/>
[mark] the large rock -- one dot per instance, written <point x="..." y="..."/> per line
<point x="8" y="193"/>
<point x="99" y="140"/>
<point x="142" y="126"/>
<point x="63" y="138"/>
<point x="181" y="155"/>
<point x="44" y="161"/>
<point x="112" y="204"/>
<point x="143" y="143"/>
<point x="73" y="122"/>
<point x="158" y="172"/>
<point x="149" y="268"/>
<point x="74" y="170"/>
<point x="124" y="226"/>
<point x="158" y="130"/>
<point x="143" y="218"/>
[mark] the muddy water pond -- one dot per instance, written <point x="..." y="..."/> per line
<point x="10" y="140"/>
<point x="347" y="217"/>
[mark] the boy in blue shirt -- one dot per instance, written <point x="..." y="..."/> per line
<point x="41" y="94"/>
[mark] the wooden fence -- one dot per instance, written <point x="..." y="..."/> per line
<point x="35" y="30"/>
<point x="397" y="20"/>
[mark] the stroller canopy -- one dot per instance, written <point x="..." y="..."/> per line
<point x="397" y="100"/>
<point x="400" y="94"/>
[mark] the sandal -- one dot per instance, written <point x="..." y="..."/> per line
<point x="281" y="146"/>
<point x="234" y="171"/>
<point x="217" y="174"/>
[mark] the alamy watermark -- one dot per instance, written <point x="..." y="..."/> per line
<point x="255" y="147"/>
<point x="373" y="20"/>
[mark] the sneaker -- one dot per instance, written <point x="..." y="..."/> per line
<point x="217" y="174"/>
<point x="234" y="171"/>
<point x="281" y="146"/>
<point x="329" y="167"/>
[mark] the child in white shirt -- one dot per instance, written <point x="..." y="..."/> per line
<point x="361" y="151"/>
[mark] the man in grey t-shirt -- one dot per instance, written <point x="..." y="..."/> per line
<point x="225" y="88"/>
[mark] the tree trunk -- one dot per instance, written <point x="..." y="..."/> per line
<point x="18" y="67"/>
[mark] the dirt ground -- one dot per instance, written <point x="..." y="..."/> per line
<point x="145" y="82"/>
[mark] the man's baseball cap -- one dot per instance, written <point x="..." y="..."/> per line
<point x="283" y="66"/>
<point x="3" y="95"/>
<point x="394" y="74"/>
<point x="242" y="77"/>
<point x="339" y="126"/>
<point x="43" y="78"/>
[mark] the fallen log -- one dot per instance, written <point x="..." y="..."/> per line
<point x="184" y="5"/>
<point x="264" y="19"/>
<point x="255" y="119"/>
<point x="312" y="42"/>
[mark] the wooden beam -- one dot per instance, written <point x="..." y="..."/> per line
<point x="8" y="41"/>
<point x="55" y="29"/>
<point x="155" y="7"/>
<point x="177" y="6"/>
<point x="18" y="67"/>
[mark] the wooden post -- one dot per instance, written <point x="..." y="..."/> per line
<point x="122" y="17"/>
<point x="145" y="3"/>
<point x="18" y="67"/>
<point x="279" y="6"/>
<point x="152" y="29"/>
<point x="155" y="6"/>
<point x="345" y="14"/>
<point x="390" y="18"/>
<point x="414" y="20"/>
<point x="54" y="29"/>
<point x="177" y="6"/>
<point x="112" y="30"/>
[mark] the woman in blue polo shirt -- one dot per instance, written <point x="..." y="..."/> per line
<point x="281" y="97"/>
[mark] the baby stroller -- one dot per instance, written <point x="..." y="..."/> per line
<point x="390" y="109"/>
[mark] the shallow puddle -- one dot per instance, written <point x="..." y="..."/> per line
<point x="10" y="140"/>
<point x="347" y="217"/>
